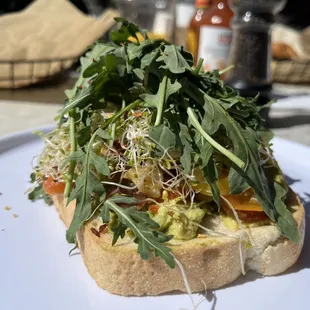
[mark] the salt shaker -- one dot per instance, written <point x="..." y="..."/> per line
<point x="251" y="46"/>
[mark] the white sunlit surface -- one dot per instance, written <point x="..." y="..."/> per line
<point x="36" y="272"/>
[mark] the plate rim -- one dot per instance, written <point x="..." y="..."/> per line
<point x="10" y="141"/>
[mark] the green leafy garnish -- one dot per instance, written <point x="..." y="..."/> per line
<point x="143" y="228"/>
<point x="38" y="192"/>
<point x="187" y="120"/>
<point x="87" y="185"/>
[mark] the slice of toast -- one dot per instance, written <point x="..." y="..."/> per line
<point x="209" y="262"/>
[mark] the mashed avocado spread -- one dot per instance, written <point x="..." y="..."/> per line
<point x="177" y="219"/>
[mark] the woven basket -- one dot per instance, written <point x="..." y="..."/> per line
<point x="291" y="71"/>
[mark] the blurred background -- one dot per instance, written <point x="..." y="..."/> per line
<point x="42" y="40"/>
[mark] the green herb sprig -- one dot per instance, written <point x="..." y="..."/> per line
<point x="142" y="226"/>
<point x="37" y="191"/>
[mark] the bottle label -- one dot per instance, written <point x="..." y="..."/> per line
<point x="214" y="45"/>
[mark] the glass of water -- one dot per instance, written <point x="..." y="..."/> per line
<point x="157" y="16"/>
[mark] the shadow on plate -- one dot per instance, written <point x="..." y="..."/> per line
<point x="290" y="181"/>
<point x="288" y="121"/>
<point x="199" y="299"/>
<point x="303" y="261"/>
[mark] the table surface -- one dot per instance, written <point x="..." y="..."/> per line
<point x="35" y="107"/>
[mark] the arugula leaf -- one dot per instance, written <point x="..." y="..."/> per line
<point x="126" y="31"/>
<point x="163" y="137"/>
<point x="211" y="175"/>
<point x="158" y="101"/>
<point x="153" y="101"/>
<point x="194" y="121"/>
<point x="187" y="150"/>
<point x="208" y="167"/>
<point x="139" y="73"/>
<point x="124" y="200"/>
<point x="236" y="183"/>
<point x="86" y="185"/>
<point x="186" y="55"/>
<point x="95" y="68"/>
<point x="206" y="151"/>
<point x="119" y="230"/>
<point x="286" y="221"/>
<point x="77" y="156"/>
<point x="96" y="51"/>
<point x="83" y="136"/>
<point x="192" y="90"/>
<point x="172" y="88"/>
<point x="99" y="163"/>
<point x="141" y="225"/>
<point x="266" y="135"/>
<point x="38" y="192"/>
<point x="173" y="59"/>
<point x="33" y="177"/>
<point x="136" y="90"/>
<point x="149" y="58"/>
<point x="214" y="117"/>
<point x="113" y="63"/>
<point x="103" y="134"/>
<point x="81" y="99"/>
<point x="246" y="148"/>
<point x="136" y="51"/>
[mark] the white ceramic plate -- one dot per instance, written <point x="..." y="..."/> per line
<point x="36" y="272"/>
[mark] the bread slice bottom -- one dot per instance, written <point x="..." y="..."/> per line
<point x="209" y="262"/>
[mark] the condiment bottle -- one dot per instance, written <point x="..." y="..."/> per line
<point x="212" y="28"/>
<point x="251" y="45"/>
<point x="196" y="22"/>
<point x="251" y="48"/>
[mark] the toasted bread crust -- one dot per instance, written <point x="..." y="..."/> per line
<point x="209" y="262"/>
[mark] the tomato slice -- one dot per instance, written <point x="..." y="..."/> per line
<point x="246" y="206"/>
<point x="244" y="202"/>
<point x="252" y="216"/>
<point x="53" y="187"/>
<point x="154" y="209"/>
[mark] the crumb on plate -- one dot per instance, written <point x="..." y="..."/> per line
<point x="7" y="208"/>
<point x="15" y="215"/>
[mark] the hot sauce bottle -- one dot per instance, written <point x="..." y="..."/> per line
<point x="213" y="32"/>
<point x="197" y="21"/>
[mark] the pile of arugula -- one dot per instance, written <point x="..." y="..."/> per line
<point x="194" y="111"/>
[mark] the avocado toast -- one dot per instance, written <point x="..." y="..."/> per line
<point x="156" y="164"/>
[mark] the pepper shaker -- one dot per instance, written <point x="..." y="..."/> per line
<point x="251" y="46"/>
